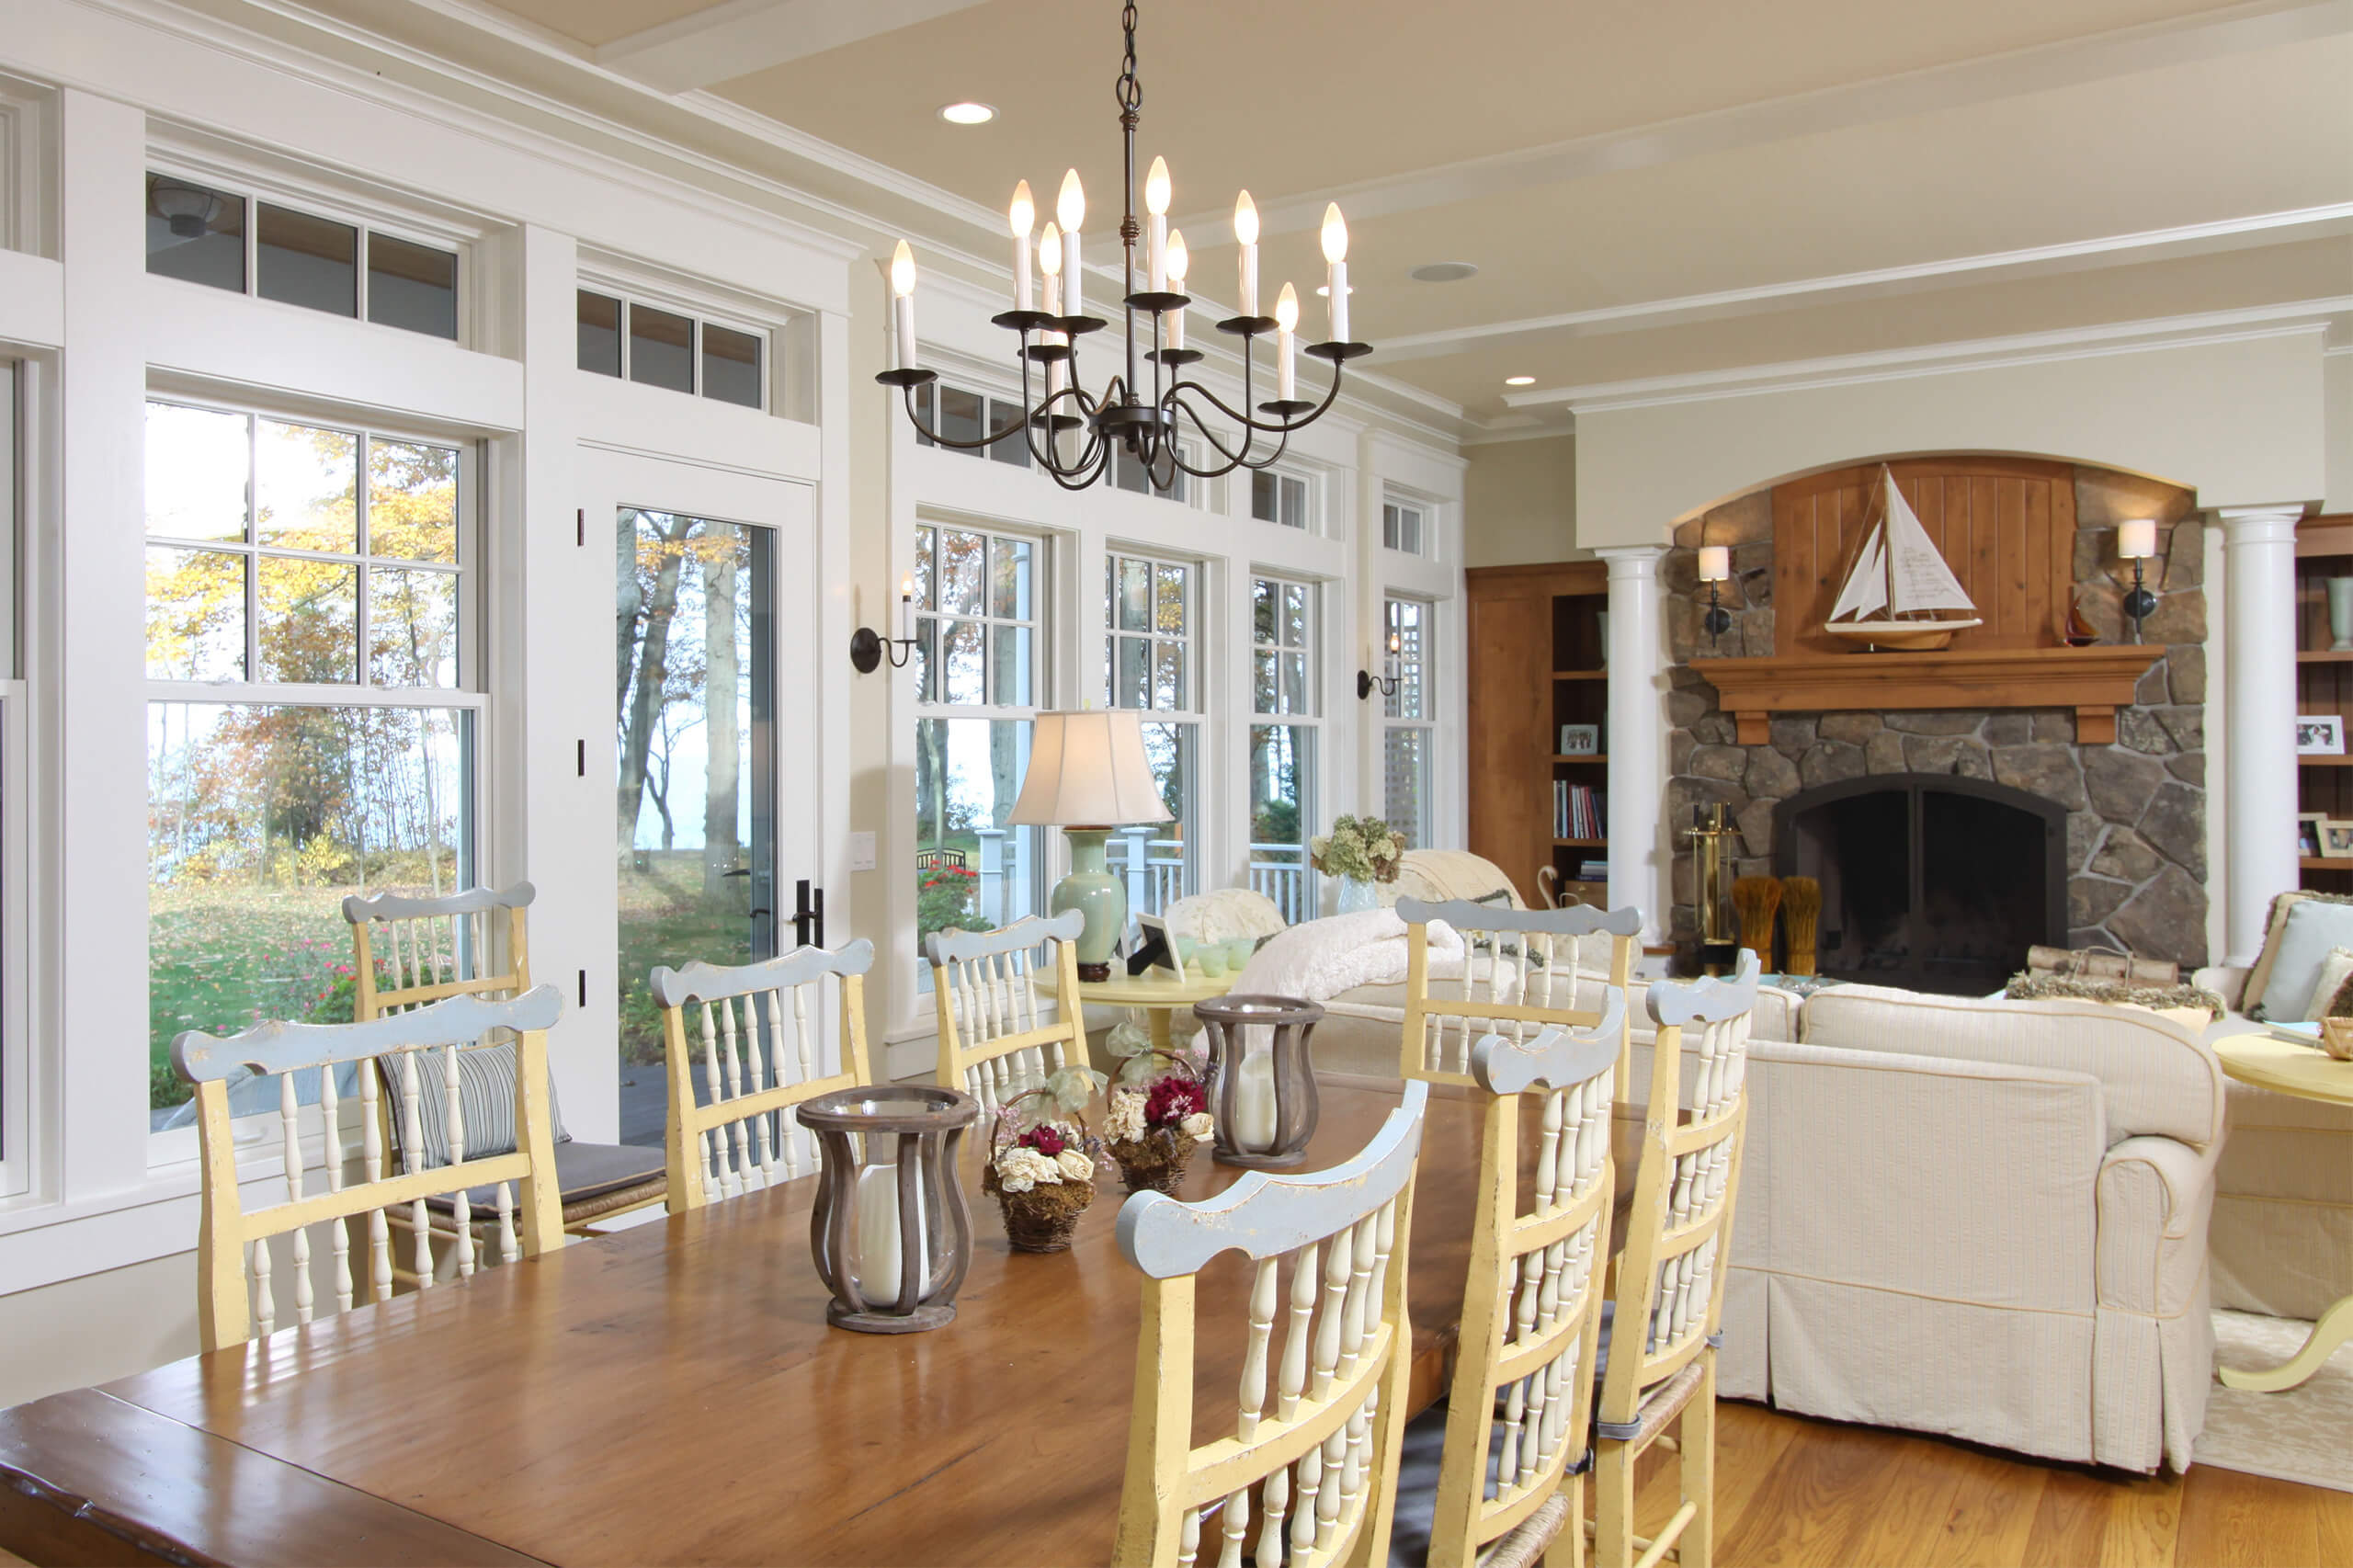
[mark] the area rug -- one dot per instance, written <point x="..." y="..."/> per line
<point x="2302" y="1434"/>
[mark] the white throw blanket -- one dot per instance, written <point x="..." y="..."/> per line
<point x="1319" y="959"/>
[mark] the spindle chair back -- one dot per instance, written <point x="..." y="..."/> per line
<point x="235" y="1296"/>
<point x="1522" y="1393"/>
<point x="463" y="944"/>
<point x="1668" y="1294"/>
<point x="1521" y="973"/>
<point x="1313" y="1460"/>
<point x="758" y="1031"/>
<point x="995" y="1039"/>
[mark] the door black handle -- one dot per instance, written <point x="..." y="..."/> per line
<point x="808" y="915"/>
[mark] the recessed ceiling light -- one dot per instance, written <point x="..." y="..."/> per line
<point x="1444" y="272"/>
<point x="1520" y="380"/>
<point x="967" y="113"/>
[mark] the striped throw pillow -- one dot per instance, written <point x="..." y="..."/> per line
<point x="486" y="1098"/>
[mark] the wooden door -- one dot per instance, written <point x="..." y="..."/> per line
<point x="1512" y="663"/>
<point x="2006" y="527"/>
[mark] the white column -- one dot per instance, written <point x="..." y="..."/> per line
<point x="1637" y="747"/>
<point x="2259" y="667"/>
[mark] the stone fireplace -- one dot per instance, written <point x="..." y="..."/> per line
<point x="2126" y="820"/>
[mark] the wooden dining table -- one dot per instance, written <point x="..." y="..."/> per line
<point x="672" y="1394"/>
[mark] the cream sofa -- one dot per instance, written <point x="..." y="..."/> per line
<point x="1984" y="1219"/>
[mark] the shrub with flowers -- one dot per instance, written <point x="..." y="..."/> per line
<point x="1364" y="849"/>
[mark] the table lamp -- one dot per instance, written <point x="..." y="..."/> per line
<point x="1088" y="776"/>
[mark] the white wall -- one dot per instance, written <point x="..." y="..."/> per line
<point x="1519" y="503"/>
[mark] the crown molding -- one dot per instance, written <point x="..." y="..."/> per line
<point x="2335" y="218"/>
<point x="2302" y="318"/>
<point x="737" y="37"/>
<point x="2261" y="24"/>
<point x="1565" y="431"/>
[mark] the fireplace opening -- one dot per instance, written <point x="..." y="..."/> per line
<point x="1929" y="883"/>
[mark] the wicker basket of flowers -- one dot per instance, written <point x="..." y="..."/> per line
<point x="1041" y="1162"/>
<point x="1151" y="1128"/>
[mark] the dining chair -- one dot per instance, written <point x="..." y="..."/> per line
<point x="1512" y="1474"/>
<point x="991" y="1043"/>
<point x="1522" y="972"/>
<point x="234" y="1298"/>
<point x="760" y="1028"/>
<point x="1659" y="1346"/>
<point x="409" y="952"/>
<point x="1321" y="1456"/>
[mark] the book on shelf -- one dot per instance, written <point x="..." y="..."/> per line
<point x="1578" y="811"/>
<point x="1593" y="871"/>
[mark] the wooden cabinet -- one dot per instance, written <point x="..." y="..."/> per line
<point x="2323" y="685"/>
<point x="1536" y="649"/>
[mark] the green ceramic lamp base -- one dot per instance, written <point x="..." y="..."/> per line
<point x="1098" y="896"/>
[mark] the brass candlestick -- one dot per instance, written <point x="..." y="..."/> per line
<point x="1709" y="853"/>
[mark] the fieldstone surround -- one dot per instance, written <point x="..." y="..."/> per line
<point x="2136" y="810"/>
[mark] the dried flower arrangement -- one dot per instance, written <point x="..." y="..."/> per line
<point x="1364" y="849"/>
<point x="1042" y="1160"/>
<point x="1152" y="1128"/>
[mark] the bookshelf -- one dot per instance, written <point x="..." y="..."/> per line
<point x="2323" y="685"/>
<point x="1538" y="631"/>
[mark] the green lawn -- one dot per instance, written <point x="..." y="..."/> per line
<point x="223" y="957"/>
<point x="664" y="920"/>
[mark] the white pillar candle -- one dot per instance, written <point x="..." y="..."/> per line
<point x="2136" y="539"/>
<point x="1246" y="234"/>
<point x="1023" y="216"/>
<point x="1336" y="257"/>
<point x="1155" y="202"/>
<point x="1254" y="1122"/>
<point x="1180" y="261"/>
<point x="1286" y="340"/>
<point x="902" y="289"/>
<point x="876" y="1238"/>
<point x="1715" y="564"/>
<point x="906" y="608"/>
<point x="1069" y="206"/>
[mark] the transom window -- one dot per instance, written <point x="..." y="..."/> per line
<point x="1150" y="610"/>
<point x="199" y="235"/>
<point x="1279" y="499"/>
<point x="963" y="416"/>
<point x="667" y="348"/>
<point x="1129" y="473"/>
<point x="1401" y="528"/>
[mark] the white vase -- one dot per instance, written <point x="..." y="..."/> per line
<point x="2340" y="615"/>
<point x="1355" y="895"/>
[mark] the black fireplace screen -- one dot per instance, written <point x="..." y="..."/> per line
<point x="1930" y="882"/>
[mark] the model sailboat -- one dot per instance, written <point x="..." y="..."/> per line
<point x="1899" y="583"/>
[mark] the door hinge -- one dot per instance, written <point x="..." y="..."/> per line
<point x="580" y="526"/>
<point x="584" y="759"/>
<point x="583" y="988"/>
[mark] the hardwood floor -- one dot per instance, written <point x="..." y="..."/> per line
<point x="1791" y="1491"/>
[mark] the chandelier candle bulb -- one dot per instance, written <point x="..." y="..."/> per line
<point x="1246" y="234"/>
<point x="1050" y="262"/>
<point x="1336" y="257"/>
<point x="1070" y="208"/>
<point x="902" y="289"/>
<point x="1180" y="260"/>
<point x="1023" y="218"/>
<point x="1155" y="202"/>
<point x="1286" y="340"/>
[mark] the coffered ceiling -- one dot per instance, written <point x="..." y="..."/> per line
<point x="1648" y="188"/>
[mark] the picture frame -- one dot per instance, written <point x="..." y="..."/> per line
<point x="2320" y="734"/>
<point x="1580" y="740"/>
<point x="2336" y="839"/>
<point x="1156" y="950"/>
<point x="2308" y="833"/>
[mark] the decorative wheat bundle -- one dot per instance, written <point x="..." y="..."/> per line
<point x="1756" y="899"/>
<point x="1802" y="919"/>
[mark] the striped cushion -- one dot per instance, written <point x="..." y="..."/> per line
<point x="485" y="1097"/>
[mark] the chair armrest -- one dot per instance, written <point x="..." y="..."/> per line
<point x="2155" y="1196"/>
<point x="2226" y="980"/>
<point x="2183" y="1176"/>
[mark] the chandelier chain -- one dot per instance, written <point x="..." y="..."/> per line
<point x="1130" y="90"/>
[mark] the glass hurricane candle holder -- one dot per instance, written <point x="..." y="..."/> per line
<point x="1263" y="1097"/>
<point x="890" y="1232"/>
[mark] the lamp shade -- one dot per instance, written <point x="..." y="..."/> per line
<point x="1088" y="770"/>
<point x="2136" y="539"/>
<point x="1715" y="564"/>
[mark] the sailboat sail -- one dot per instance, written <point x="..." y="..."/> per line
<point x="1865" y="589"/>
<point x="1918" y="578"/>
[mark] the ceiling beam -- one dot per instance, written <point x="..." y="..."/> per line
<point x="2259" y="24"/>
<point x="738" y="38"/>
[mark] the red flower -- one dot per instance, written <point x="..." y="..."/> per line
<point x="1045" y="1139"/>
<point x="1171" y="1100"/>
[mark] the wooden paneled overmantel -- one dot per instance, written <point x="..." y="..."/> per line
<point x="2093" y="682"/>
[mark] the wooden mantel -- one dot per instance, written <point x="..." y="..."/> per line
<point x="2094" y="681"/>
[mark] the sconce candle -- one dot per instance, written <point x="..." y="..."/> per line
<point x="1263" y="1098"/>
<point x="906" y="609"/>
<point x="891" y="1236"/>
<point x="902" y="289"/>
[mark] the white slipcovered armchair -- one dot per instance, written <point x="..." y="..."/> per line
<point x="1981" y="1218"/>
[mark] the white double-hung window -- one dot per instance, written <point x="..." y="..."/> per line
<point x="1151" y="616"/>
<point x="1286" y="719"/>
<point x="313" y="698"/>
<point x="1407" y="735"/>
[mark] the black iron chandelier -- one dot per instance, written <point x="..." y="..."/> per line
<point x="1144" y="420"/>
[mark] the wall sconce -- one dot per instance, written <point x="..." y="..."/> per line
<point x="1715" y="569"/>
<point x="866" y="645"/>
<point x="2136" y="540"/>
<point x="1393" y="668"/>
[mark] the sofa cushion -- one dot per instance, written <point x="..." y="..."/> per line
<point x="2313" y="928"/>
<point x="2158" y="1077"/>
<point x="1437" y="875"/>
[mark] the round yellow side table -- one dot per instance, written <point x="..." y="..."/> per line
<point x="2308" y="1073"/>
<point x="1158" y="992"/>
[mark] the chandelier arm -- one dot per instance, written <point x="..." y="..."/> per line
<point x="1234" y="460"/>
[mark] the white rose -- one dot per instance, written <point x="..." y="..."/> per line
<point x="1125" y="1123"/>
<point x="1075" y="1166"/>
<point x="1019" y="1169"/>
<point x="1200" y="1126"/>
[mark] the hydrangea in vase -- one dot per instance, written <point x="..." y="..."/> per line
<point x="1361" y="851"/>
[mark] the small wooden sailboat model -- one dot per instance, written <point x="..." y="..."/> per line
<point x="1899" y="583"/>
